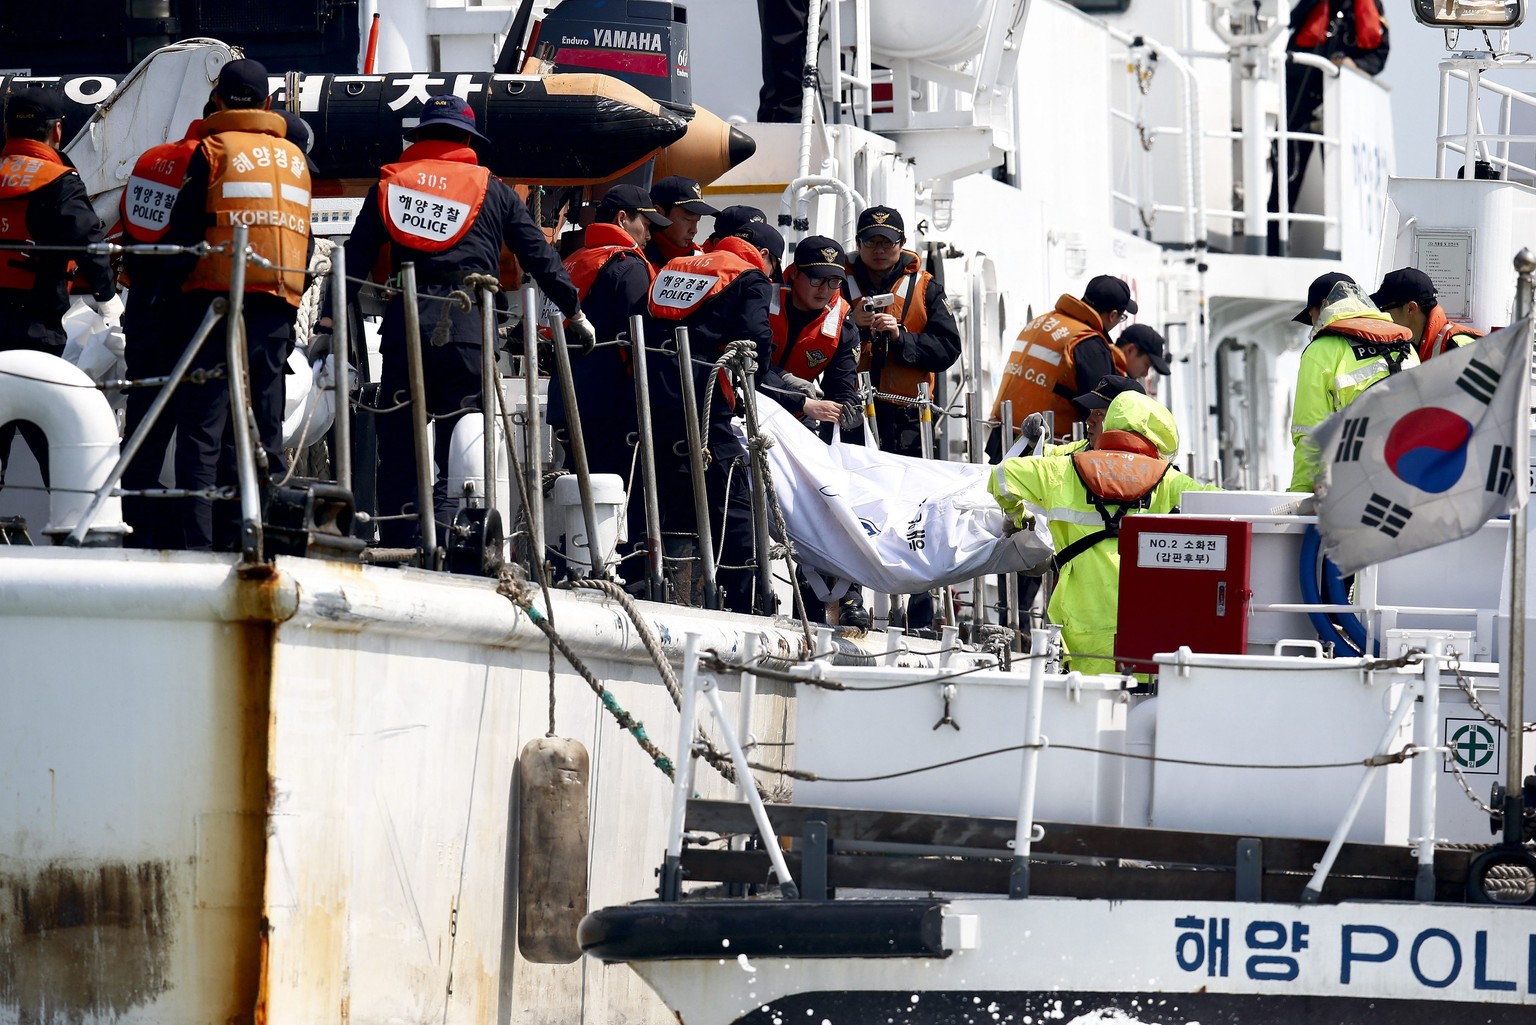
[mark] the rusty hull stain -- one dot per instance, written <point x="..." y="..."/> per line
<point x="81" y="941"/>
<point x="255" y="643"/>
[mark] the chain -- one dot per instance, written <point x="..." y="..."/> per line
<point x="1466" y="688"/>
<point x="1461" y="781"/>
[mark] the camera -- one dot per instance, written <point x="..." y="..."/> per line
<point x="877" y="303"/>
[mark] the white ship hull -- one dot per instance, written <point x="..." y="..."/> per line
<point x="289" y="796"/>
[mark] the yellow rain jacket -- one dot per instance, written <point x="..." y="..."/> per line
<point x="1353" y="346"/>
<point x="1139" y="434"/>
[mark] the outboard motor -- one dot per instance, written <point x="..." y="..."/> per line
<point x="641" y="42"/>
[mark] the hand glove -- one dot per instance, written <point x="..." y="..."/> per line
<point x="320" y="342"/>
<point x="853" y="416"/>
<point x="798" y="384"/>
<point x="111" y="310"/>
<point x="1032" y="429"/>
<point x="580" y="334"/>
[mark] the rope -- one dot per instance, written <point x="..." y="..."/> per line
<point x="517" y="592"/>
<point x="1410" y="751"/>
<point x="711" y="754"/>
<point x="314" y="295"/>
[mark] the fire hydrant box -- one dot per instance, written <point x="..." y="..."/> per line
<point x="1183" y="582"/>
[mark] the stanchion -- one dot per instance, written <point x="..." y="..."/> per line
<point x="655" y="580"/>
<point x="595" y="559"/>
<point x="239" y="405"/>
<point x="925" y="420"/>
<point x="489" y="375"/>
<point x="696" y="466"/>
<point x="533" y="427"/>
<point x="762" y="542"/>
<point x="341" y="354"/>
<point x="426" y="511"/>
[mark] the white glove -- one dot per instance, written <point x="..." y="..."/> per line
<point x="580" y="334"/>
<point x="1032" y="428"/>
<point x="110" y="310"/>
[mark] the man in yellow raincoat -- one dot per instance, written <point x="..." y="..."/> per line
<point x="1084" y="496"/>
<point x="1353" y="346"/>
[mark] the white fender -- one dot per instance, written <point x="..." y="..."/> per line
<point x="82" y="437"/>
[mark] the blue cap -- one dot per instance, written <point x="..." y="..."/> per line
<point x="447" y="110"/>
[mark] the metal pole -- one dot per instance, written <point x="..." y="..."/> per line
<point x="1426" y="726"/>
<point x="787" y="888"/>
<point x="867" y="393"/>
<point x="1514" y="677"/>
<point x="1018" y="874"/>
<point x="1006" y="425"/>
<point x="215" y="310"/>
<point x="533" y="463"/>
<point x="1314" y="888"/>
<point x="341" y="354"/>
<point x="758" y="463"/>
<point x="239" y="405"/>
<point x="596" y="559"/>
<point x="655" y="580"/>
<point x="696" y="466"/>
<point x="426" y="512"/>
<point x="978" y="455"/>
<point x="682" y="770"/>
<point x="489" y="374"/>
<point x="925" y="419"/>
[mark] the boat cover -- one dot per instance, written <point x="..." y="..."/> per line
<point x="889" y="522"/>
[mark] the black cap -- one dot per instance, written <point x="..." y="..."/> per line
<point x="1149" y="342"/>
<point x="1105" y="391"/>
<point x="1405" y="285"/>
<point x="675" y="190"/>
<point x="818" y="257"/>
<point x="763" y="236"/>
<point x="34" y="105"/>
<point x="733" y="218"/>
<point x="883" y="221"/>
<point x="1106" y="292"/>
<point x="242" y="83"/>
<point x="631" y="199"/>
<point x="450" y="110"/>
<point x="1317" y="292"/>
<point x="299" y="133"/>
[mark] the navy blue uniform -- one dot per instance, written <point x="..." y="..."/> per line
<point x="452" y="368"/>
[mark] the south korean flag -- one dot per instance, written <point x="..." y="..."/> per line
<point x="1428" y="455"/>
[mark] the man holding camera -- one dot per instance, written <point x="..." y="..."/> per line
<point x="907" y="332"/>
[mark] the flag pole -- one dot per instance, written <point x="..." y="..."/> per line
<point x="1514" y="702"/>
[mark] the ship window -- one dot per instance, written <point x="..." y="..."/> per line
<point x="1470" y="13"/>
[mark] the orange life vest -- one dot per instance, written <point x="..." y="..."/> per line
<point x="26" y="166"/>
<point x="261" y="180"/>
<point x="687" y="284"/>
<point x="809" y="355"/>
<point x="1438" y="332"/>
<point x="1314" y="31"/>
<point x="1041" y="374"/>
<point x="154" y="185"/>
<point x="604" y="242"/>
<point x="1121" y="473"/>
<point x="911" y="292"/>
<point x="433" y="195"/>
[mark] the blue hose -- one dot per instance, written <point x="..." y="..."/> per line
<point x="1311" y="552"/>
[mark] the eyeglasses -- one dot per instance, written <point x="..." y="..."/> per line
<point x="877" y="242"/>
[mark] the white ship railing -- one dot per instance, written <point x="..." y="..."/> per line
<point x="1473" y="143"/>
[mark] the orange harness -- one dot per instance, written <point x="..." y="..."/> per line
<point x="433" y="195"/>
<point x="26" y="166"/>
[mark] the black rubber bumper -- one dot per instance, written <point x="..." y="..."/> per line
<point x="657" y="931"/>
